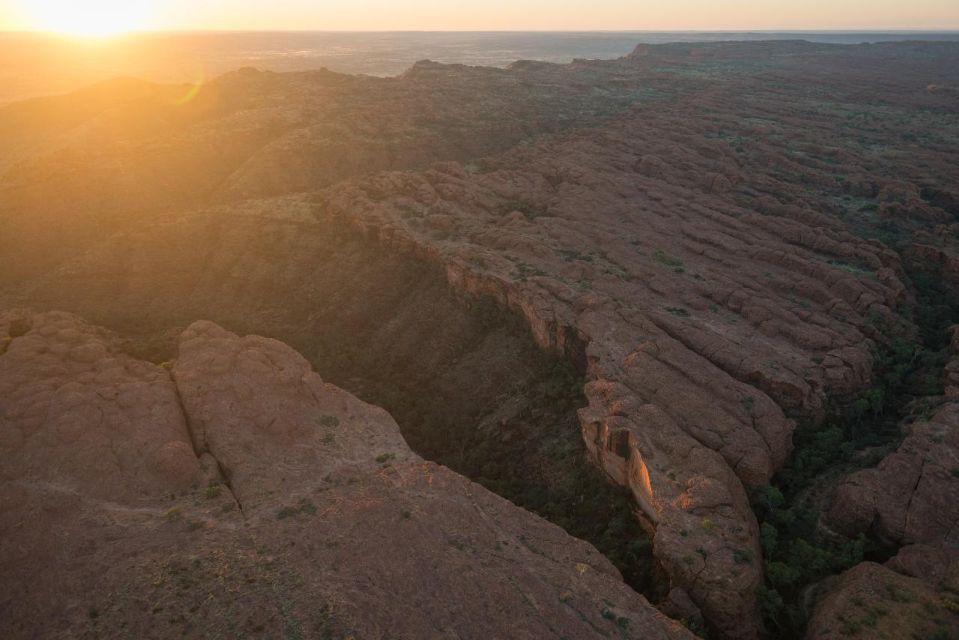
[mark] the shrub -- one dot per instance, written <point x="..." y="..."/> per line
<point x="303" y="506"/>
<point x="665" y="259"/>
<point x="286" y="512"/>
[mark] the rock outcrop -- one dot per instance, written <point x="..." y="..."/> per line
<point x="243" y="495"/>
<point x="907" y="502"/>
<point x="910" y="497"/>
<point x="914" y="595"/>
<point x="689" y="234"/>
<point x="664" y="298"/>
<point x="936" y="254"/>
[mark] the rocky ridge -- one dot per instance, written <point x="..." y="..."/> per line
<point x="699" y="253"/>
<point x="235" y="492"/>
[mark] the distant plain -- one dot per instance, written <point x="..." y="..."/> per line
<point x="34" y="64"/>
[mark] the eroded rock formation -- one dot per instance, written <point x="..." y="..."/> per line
<point x="910" y="497"/>
<point x="914" y="595"/>
<point x="908" y="502"/>
<point x="245" y="495"/>
<point x="690" y="234"/>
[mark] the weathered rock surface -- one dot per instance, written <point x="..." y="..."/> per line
<point x="910" y="497"/>
<point x="114" y="523"/>
<point x="666" y="296"/>
<point x="914" y="595"/>
<point x="692" y="252"/>
<point x="67" y="392"/>
<point x="908" y="502"/>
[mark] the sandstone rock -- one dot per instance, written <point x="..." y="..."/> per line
<point x="223" y="379"/>
<point x="874" y="601"/>
<point x="906" y="502"/>
<point x="341" y="530"/>
<point x="688" y="245"/>
<point x="940" y="262"/>
<point x="936" y="565"/>
<point x="679" y="606"/>
<point x="909" y="498"/>
<point x="66" y="391"/>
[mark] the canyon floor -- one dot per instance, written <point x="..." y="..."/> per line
<point x="661" y="346"/>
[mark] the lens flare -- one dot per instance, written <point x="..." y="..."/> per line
<point x="192" y="92"/>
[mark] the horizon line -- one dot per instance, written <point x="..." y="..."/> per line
<point x="825" y="30"/>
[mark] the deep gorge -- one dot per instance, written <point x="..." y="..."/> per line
<point x="463" y="377"/>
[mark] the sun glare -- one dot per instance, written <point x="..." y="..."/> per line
<point x="91" y="18"/>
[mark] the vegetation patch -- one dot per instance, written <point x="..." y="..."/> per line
<point x="667" y="260"/>
<point x="304" y="506"/>
<point x="859" y="272"/>
<point x="329" y="422"/>
<point x="530" y="210"/>
<point x="571" y="254"/>
<point x="796" y="553"/>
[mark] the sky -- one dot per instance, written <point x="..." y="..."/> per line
<point x="108" y="16"/>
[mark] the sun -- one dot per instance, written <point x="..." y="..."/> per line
<point x="87" y="18"/>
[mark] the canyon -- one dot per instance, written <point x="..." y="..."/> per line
<point x="624" y="295"/>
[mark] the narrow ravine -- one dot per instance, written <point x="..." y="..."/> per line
<point x="799" y="550"/>
<point x="463" y="377"/>
<point x="481" y="397"/>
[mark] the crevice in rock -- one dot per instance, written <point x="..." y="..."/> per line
<point x="856" y="434"/>
<point x="751" y="380"/>
<point x="471" y="385"/>
<point x="912" y="495"/>
<point x="200" y="448"/>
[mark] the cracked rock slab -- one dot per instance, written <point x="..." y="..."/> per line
<point x="115" y="519"/>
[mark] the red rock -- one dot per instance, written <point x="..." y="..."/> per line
<point x="109" y="529"/>
<point x="909" y="498"/>
<point x="877" y="601"/>
<point x="683" y="235"/>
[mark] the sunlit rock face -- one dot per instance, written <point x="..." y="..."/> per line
<point x="685" y="225"/>
<point x="696" y="334"/>
<point x="243" y="493"/>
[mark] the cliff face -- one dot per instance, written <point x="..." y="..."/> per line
<point x="702" y="320"/>
<point x="683" y="434"/>
<point x="690" y="235"/>
<point x="236" y="493"/>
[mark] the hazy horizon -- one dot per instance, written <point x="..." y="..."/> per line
<point x="41" y="63"/>
<point x="135" y="32"/>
